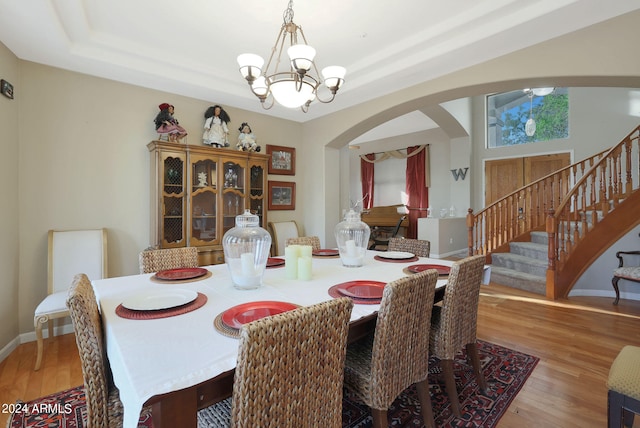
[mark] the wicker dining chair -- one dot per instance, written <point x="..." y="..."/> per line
<point x="169" y="258"/>
<point x="383" y="364"/>
<point x="104" y="408"/>
<point x="454" y="324"/>
<point x="419" y="247"/>
<point x="314" y="241"/>
<point x="289" y="371"/>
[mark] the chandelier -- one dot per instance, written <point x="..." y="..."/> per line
<point x="530" y="126"/>
<point x="295" y="83"/>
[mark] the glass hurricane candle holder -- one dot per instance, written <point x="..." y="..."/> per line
<point x="352" y="237"/>
<point x="246" y="250"/>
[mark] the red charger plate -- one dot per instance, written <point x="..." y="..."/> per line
<point x="180" y="274"/>
<point x="364" y="289"/>
<point x="442" y="270"/>
<point x="327" y="252"/>
<point x="274" y="261"/>
<point x="239" y="315"/>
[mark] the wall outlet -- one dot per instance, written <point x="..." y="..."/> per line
<point x="450" y="240"/>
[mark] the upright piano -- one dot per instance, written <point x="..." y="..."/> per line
<point x="384" y="219"/>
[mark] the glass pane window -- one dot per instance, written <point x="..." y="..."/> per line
<point x="509" y="112"/>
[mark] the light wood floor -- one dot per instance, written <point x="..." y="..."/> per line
<point x="576" y="342"/>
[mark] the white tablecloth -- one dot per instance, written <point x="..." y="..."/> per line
<point x="151" y="357"/>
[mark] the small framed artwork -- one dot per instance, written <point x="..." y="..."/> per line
<point x="6" y="88"/>
<point x="282" y="195"/>
<point x="283" y="160"/>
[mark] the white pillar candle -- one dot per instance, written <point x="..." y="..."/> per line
<point x="304" y="268"/>
<point x="351" y="248"/>
<point x="305" y="250"/>
<point x="291" y="261"/>
<point x="246" y="263"/>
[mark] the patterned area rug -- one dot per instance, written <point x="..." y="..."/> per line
<point x="505" y="371"/>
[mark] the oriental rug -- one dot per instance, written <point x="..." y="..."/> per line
<point x="505" y="371"/>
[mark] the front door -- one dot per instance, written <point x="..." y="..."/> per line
<point x="503" y="176"/>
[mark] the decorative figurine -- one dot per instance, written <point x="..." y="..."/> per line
<point x="246" y="139"/>
<point x="202" y="179"/>
<point x="216" y="132"/>
<point x="167" y="125"/>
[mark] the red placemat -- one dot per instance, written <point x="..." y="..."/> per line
<point x="333" y="292"/>
<point x="275" y="262"/>
<point x="123" y="312"/>
<point x="411" y="260"/>
<point x="179" y="281"/>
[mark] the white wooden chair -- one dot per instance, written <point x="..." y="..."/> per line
<point x="70" y="252"/>
<point x="281" y="231"/>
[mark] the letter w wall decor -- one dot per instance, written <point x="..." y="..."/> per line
<point x="459" y="173"/>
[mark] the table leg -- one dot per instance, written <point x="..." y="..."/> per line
<point x="176" y="409"/>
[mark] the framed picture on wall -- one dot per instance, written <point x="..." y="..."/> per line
<point x="282" y="160"/>
<point x="6" y="88"/>
<point x="282" y="195"/>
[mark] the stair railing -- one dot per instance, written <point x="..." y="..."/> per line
<point x="515" y="215"/>
<point x="568" y="204"/>
<point x="610" y="180"/>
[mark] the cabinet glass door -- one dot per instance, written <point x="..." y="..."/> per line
<point x="173" y="201"/>
<point x="256" y="195"/>
<point x="233" y="193"/>
<point x="204" y="191"/>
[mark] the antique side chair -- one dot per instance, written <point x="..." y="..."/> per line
<point x="69" y="253"/>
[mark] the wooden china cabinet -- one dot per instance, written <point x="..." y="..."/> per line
<point x="197" y="191"/>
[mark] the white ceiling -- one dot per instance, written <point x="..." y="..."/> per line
<point x="189" y="47"/>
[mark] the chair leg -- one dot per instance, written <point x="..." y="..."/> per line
<point x="614" y="404"/>
<point x="450" y="385"/>
<point x="37" y="323"/>
<point x="474" y="358"/>
<point x="614" y="282"/>
<point x="425" y="404"/>
<point x="379" y="418"/>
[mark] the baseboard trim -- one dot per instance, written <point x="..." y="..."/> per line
<point x="9" y="348"/>
<point x="31" y="337"/>
<point x="603" y="293"/>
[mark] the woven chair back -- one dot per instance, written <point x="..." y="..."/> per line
<point x="419" y="247"/>
<point x="87" y="324"/>
<point x="290" y="368"/>
<point x="314" y="241"/>
<point x="459" y="313"/>
<point x="400" y="354"/>
<point x="169" y="258"/>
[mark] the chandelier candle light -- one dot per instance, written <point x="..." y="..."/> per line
<point x="294" y="85"/>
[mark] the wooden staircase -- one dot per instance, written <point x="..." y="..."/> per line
<point x="543" y="236"/>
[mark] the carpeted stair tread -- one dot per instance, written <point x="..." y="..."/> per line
<point x="520" y="280"/>
<point x="530" y="249"/>
<point x="520" y="263"/>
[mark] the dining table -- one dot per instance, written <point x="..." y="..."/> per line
<point x="184" y="362"/>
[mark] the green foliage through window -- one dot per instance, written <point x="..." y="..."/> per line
<point x="507" y="115"/>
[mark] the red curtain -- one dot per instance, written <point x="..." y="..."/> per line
<point x="417" y="192"/>
<point x="366" y="173"/>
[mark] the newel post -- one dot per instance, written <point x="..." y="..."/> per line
<point x="470" y="231"/>
<point x="551" y="253"/>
